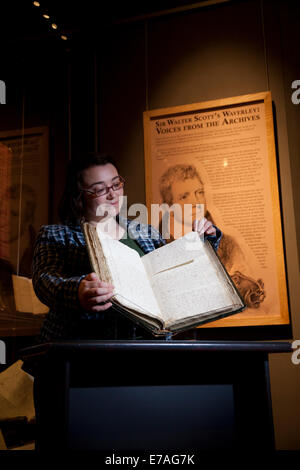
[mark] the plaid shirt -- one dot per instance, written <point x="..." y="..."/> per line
<point x="61" y="261"/>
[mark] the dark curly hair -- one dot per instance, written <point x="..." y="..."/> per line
<point x="71" y="205"/>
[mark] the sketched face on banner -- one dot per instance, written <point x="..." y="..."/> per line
<point x="181" y="185"/>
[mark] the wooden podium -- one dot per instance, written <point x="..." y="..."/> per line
<point x="154" y="395"/>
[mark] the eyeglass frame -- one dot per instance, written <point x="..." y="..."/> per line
<point x="94" y="195"/>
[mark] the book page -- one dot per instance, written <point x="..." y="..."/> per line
<point x="132" y="286"/>
<point x="182" y="250"/>
<point x="227" y="148"/>
<point x="187" y="282"/>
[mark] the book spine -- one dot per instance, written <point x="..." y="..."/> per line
<point x="96" y="255"/>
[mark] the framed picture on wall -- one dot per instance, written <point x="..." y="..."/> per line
<point x="217" y="159"/>
<point x="24" y="176"/>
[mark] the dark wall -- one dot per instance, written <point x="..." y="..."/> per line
<point x="35" y="73"/>
<point x="226" y="50"/>
<point x="92" y="94"/>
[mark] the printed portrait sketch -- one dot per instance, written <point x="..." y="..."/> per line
<point x="20" y="231"/>
<point x="182" y="184"/>
<point x="17" y="232"/>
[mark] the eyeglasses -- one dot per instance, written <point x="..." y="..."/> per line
<point x="105" y="190"/>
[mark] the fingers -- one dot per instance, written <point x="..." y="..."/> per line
<point x="204" y="226"/>
<point x="93" y="294"/>
<point x="100" y="291"/>
<point x="93" y="300"/>
<point x="100" y="308"/>
<point x="92" y="280"/>
<point x="198" y="225"/>
<point x="98" y="284"/>
<point x="92" y="277"/>
<point x="210" y="230"/>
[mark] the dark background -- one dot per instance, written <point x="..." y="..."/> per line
<point x="121" y="59"/>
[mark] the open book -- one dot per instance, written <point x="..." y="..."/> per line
<point x="173" y="288"/>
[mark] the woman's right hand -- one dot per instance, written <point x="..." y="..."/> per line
<point x="93" y="294"/>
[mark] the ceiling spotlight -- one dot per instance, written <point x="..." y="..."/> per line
<point x="63" y="37"/>
<point x="36" y="4"/>
<point x="54" y="26"/>
<point x="46" y="16"/>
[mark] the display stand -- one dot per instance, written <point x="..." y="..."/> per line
<point x="146" y="395"/>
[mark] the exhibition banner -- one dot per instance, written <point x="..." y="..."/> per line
<point x="220" y="156"/>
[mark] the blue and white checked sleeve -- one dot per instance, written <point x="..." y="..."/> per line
<point x="50" y="283"/>
<point x="215" y="240"/>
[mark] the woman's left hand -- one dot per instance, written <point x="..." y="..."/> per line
<point x="204" y="227"/>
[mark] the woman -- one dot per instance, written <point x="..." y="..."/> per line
<point x="79" y="302"/>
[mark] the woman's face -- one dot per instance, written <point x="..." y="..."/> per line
<point x="95" y="178"/>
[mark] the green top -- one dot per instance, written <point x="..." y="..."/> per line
<point x="127" y="240"/>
